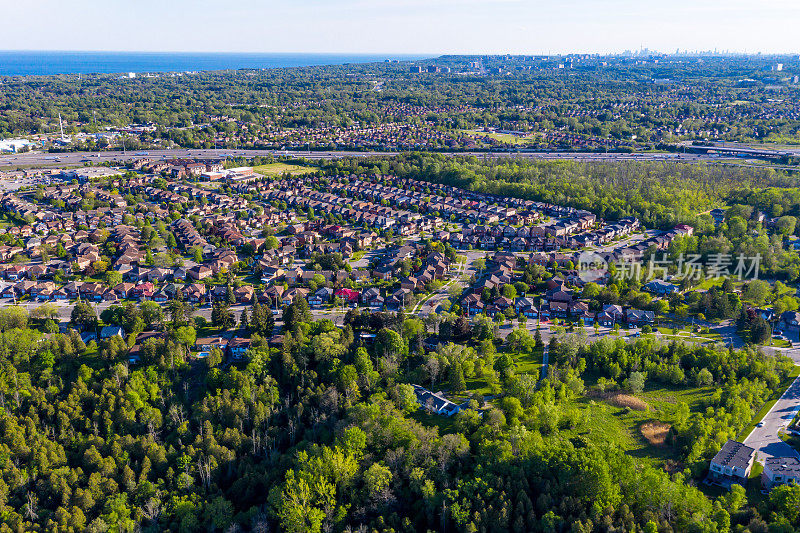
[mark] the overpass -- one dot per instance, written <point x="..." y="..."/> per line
<point x="739" y="151"/>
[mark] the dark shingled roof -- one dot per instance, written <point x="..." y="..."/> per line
<point x="785" y="466"/>
<point x="734" y="454"/>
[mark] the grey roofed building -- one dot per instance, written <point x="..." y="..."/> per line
<point x="110" y="331"/>
<point x="732" y="463"/>
<point x="434" y="402"/>
<point x="659" y="286"/>
<point x="326" y="293"/>
<point x="639" y="317"/>
<point x="780" y="471"/>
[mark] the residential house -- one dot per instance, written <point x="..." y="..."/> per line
<point x="638" y="318"/>
<point x="526" y="307"/>
<point x="660" y="287"/>
<point x="791" y="320"/>
<point x="348" y="295"/>
<point x="292" y="294"/>
<point x="732" y="464"/>
<point x="435" y="402"/>
<point x="780" y="471"/>
<point x="206" y="344"/>
<point x="244" y="294"/>
<point x="237" y="348"/>
<point x="195" y="292"/>
<point x="370" y="294"/>
<point x="200" y="272"/>
<point x="107" y="332"/>
<point x="606" y="319"/>
<point x="320" y="297"/>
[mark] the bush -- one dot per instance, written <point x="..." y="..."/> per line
<point x="636" y="382"/>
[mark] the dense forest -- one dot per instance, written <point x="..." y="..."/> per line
<point x="322" y="433"/>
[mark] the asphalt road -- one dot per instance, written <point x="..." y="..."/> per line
<point x="765" y="439"/>
<point x="65" y="308"/>
<point x="545" y="361"/>
<point x="79" y="158"/>
<point x="433" y="304"/>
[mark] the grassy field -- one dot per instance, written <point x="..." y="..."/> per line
<point x="780" y="343"/>
<point x="706" y="284"/>
<point x="278" y="169"/>
<point x="501" y="137"/>
<point x="775" y="343"/>
<point x="754" y="486"/>
<point x="668" y="334"/>
<point x="639" y="425"/>
<point x="529" y="363"/>
<point x="641" y="433"/>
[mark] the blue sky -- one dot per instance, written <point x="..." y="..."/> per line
<point x="401" y="26"/>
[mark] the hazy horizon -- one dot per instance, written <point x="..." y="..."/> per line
<point x="419" y="27"/>
<point x="403" y="54"/>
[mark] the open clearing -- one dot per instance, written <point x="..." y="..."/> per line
<point x="655" y="432"/>
<point x="278" y="169"/>
<point x="618" y="399"/>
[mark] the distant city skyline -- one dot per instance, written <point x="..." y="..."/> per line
<point x="403" y="26"/>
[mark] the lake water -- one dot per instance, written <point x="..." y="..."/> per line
<point x="21" y="63"/>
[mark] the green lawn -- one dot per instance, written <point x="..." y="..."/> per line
<point x="278" y="169"/>
<point x="706" y="284"/>
<point x="775" y="343"/>
<point x="501" y="137"/>
<point x="780" y="343"/>
<point x="479" y="386"/>
<point x="444" y="423"/>
<point x="529" y="363"/>
<point x="701" y="339"/>
<point x="670" y="331"/>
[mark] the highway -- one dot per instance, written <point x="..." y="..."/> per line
<point x="34" y="159"/>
